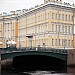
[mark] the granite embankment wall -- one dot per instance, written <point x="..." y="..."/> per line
<point x="71" y="58"/>
<point x="6" y="64"/>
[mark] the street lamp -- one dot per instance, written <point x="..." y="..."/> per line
<point x="0" y="43"/>
<point x="11" y="43"/>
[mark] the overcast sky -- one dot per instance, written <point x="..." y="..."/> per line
<point x="10" y="5"/>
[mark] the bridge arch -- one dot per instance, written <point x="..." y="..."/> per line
<point x="28" y="60"/>
<point x="50" y="54"/>
<point x="38" y="61"/>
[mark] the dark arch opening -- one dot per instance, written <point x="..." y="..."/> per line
<point x="38" y="62"/>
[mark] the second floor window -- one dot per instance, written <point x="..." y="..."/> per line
<point x="47" y="16"/>
<point x="59" y="16"/>
<point x="59" y="28"/>
<point x="59" y="42"/>
<point x="1" y="26"/>
<point x="56" y="16"/>
<point x="69" y="17"/>
<point x="68" y="43"/>
<point x="56" y="28"/>
<point x="56" y="42"/>
<point x="68" y="29"/>
<point x="65" y="29"/>
<point x="62" y="28"/>
<point x="52" y="27"/>
<point x="52" y="42"/>
<point x="63" y="17"/>
<point x="72" y="43"/>
<point x="52" y="15"/>
<point x="66" y="17"/>
<point x="62" y="42"/>
<point x="72" y="18"/>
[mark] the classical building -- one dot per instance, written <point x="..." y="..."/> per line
<point x="48" y="25"/>
<point x="9" y="27"/>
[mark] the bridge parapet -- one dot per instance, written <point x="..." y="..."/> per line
<point x="42" y="49"/>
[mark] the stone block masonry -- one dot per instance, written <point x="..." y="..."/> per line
<point x="71" y="58"/>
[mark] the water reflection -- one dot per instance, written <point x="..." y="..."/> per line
<point x="70" y="71"/>
<point x="43" y="73"/>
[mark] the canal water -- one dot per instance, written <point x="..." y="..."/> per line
<point x="32" y="66"/>
<point x="67" y="71"/>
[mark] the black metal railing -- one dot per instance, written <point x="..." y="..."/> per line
<point x="42" y="49"/>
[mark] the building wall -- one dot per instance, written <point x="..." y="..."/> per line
<point x="74" y="30"/>
<point x="45" y="27"/>
<point x="71" y="58"/>
<point x="74" y="41"/>
<point x="9" y="30"/>
<point x="1" y="34"/>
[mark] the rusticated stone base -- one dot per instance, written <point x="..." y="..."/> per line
<point x="71" y="58"/>
<point x="6" y="64"/>
<point x="71" y="69"/>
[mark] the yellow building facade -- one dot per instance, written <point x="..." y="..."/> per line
<point x="1" y="33"/>
<point x="74" y="31"/>
<point x="47" y="25"/>
<point x="9" y="29"/>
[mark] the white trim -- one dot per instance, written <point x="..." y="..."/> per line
<point x="66" y="48"/>
<point x="11" y="42"/>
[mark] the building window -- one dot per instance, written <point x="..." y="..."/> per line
<point x="72" y="18"/>
<point x="65" y="42"/>
<point x="52" y="15"/>
<point x="40" y="28"/>
<point x="68" y="43"/>
<point x="72" y="43"/>
<point x="0" y="33"/>
<point x="53" y="27"/>
<point x="72" y="30"/>
<point x="47" y="16"/>
<point x="56" y="28"/>
<point x="62" y="42"/>
<point x="66" y="17"/>
<point x="43" y="16"/>
<point x="69" y="17"/>
<point x="65" y="29"/>
<point x="1" y="26"/>
<point x="59" y="28"/>
<point x="59" y="42"/>
<point x="68" y="29"/>
<point x="38" y="18"/>
<point x="47" y="26"/>
<point x="56" y="42"/>
<point x="63" y="17"/>
<point x="62" y="28"/>
<point x="52" y="42"/>
<point x="56" y="16"/>
<point x="59" y="16"/>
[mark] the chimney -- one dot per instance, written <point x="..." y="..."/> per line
<point x="18" y="11"/>
<point x="12" y="12"/>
